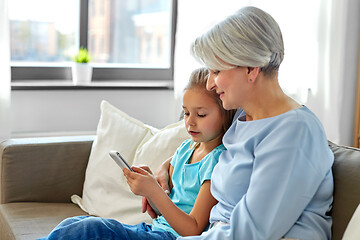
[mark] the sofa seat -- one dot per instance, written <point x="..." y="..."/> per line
<point x="31" y="220"/>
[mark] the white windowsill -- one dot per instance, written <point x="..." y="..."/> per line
<point x="68" y="84"/>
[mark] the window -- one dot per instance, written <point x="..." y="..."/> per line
<point x="40" y="33"/>
<point x="127" y="39"/>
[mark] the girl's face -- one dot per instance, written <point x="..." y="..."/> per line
<point x="203" y="117"/>
<point x="231" y="85"/>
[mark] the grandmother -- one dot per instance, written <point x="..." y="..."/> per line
<point x="274" y="180"/>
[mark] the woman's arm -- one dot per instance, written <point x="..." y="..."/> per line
<point x="162" y="175"/>
<point x="142" y="183"/>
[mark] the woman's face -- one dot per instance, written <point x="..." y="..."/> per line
<point x="231" y="85"/>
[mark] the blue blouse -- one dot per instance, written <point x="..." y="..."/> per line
<point x="274" y="180"/>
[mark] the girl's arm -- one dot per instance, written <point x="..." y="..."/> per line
<point x="144" y="184"/>
<point x="163" y="176"/>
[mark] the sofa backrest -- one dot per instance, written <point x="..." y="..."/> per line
<point x="346" y="171"/>
<point x="48" y="169"/>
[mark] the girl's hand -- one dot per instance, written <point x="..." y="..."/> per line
<point x="145" y="206"/>
<point x="162" y="176"/>
<point x="141" y="182"/>
<point x="146" y="168"/>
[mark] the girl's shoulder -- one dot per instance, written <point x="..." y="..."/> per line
<point x="220" y="148"/>
<point x="183" y="152"/>
<point x="213" y="156"/>
<point x="185" y="145"/>
<point x="215" y="153"/>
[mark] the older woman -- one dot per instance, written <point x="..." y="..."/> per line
<point x="274" y="180"/>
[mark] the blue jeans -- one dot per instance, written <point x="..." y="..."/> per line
<point x="91" y="228"/>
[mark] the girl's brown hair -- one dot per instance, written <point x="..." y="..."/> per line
<point x="198" y="79"/>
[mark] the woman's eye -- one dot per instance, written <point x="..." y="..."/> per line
<point x="202" y="115"/>
<point x="186" y="114"/>
<point x="216" y="72"/>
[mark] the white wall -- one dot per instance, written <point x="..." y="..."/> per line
<point x="69" y="112"/>
<point x="58" y="112"/>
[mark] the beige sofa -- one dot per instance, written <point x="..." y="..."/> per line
<point x="38" y="176"/>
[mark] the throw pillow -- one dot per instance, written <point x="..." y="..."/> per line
<point x="161" y="146"/>
<point x="106" y="193"/>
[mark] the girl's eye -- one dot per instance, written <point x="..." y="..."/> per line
<point x="186" y="114"/>
<point x="216" y="72"/>
<point x="202" y="115"/>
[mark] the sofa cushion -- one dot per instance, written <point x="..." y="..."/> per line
<point x="346" y="171"/>
<point x="106" y="193"/>
<point x="105" y="189"/>
<point x="161" y="146"/>
<point x="25" y="221"/>
<point x="352" y="231"/>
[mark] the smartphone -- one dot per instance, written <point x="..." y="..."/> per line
<point x="119" y="160"/>
<point x="123" y="164"/>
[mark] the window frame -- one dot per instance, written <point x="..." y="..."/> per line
<point x="101" y="72"/>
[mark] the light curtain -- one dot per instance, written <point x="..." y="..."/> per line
<point x="333" y="100"/>
<point x="4" y="72"/>
<point x="315" y="36"/>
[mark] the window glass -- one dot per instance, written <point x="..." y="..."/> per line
<point x="131" y="33"/>
<point x="43" y="30"/>
<point x="127" y="39"/>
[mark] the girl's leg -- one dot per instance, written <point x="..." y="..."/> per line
<point x="91" y="228"/>
<point x="85" y="227"/>
<point x="70" y="220"/>
<point x="143" y="231"/>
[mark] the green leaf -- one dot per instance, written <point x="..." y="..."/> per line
<point x="83" y="56"/>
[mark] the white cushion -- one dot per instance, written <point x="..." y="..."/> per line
<point x="106" y="193"/>
<point x="161" y="146"/>
<point x="352" y="231"/>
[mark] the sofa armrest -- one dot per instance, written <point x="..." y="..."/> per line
<point x="47" y="169"/>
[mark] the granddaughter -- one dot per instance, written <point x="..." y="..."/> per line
<point x="186" y="210"/>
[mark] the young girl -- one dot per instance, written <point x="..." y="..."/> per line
<point x="186" y="210"/>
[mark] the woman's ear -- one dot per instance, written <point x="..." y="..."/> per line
<point x="253" y="72"/>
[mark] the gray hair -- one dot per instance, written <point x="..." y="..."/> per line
<point x="248" y="38"/>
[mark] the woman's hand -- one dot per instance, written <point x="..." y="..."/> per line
<point x="147" y="208"/>
<point x="162" y="175"/>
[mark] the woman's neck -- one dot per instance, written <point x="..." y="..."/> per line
<point x="268" y="100"/>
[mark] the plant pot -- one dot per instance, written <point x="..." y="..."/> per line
<point x="81" y="73"/>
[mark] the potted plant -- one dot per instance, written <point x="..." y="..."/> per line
<point x="81" y="69"/>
